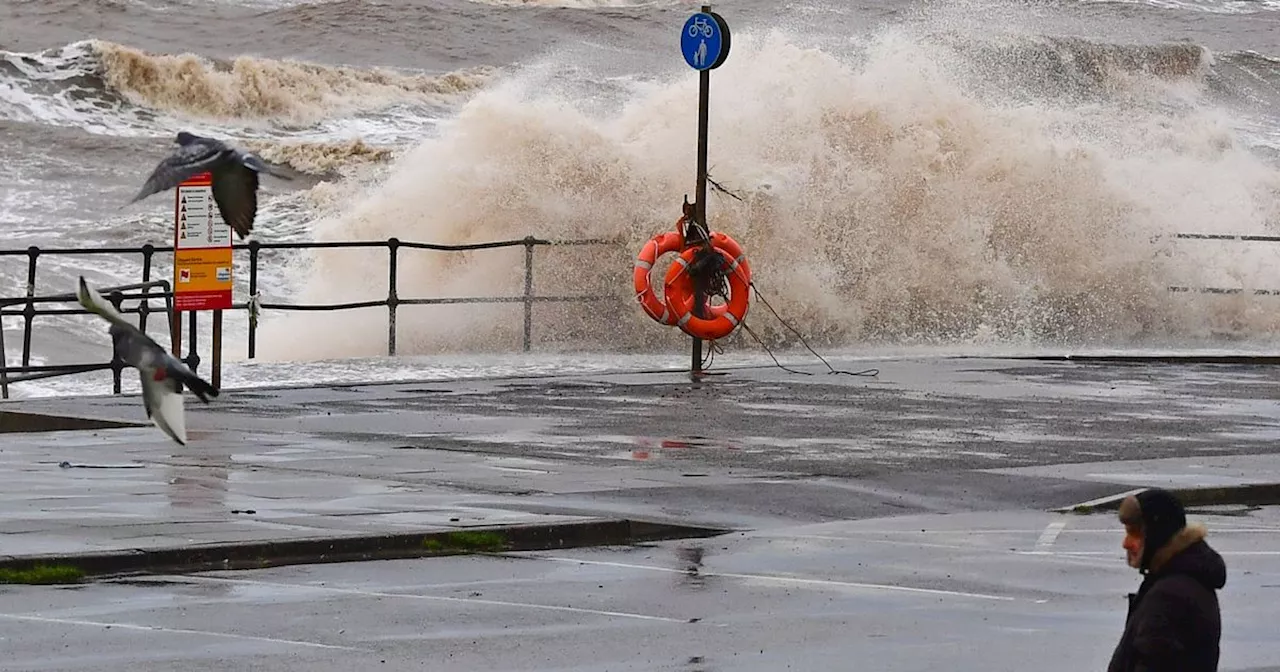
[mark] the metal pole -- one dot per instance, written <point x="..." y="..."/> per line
<point x="253" y="292"/>
<point x="528" y="293"/>
<point x="29" y="312"/>
<point x="700" y="203"/>
<point x="193" y="354"/>
<point x="216" y="380"/>
<point x="144" y="308"/>
<point x="4" y="364"/>
<point x="117" y="366"/>
<point x="393" y="244"/>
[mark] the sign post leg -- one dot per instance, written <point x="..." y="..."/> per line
<point x="216" y="376"/>
<point x="700" y="199"/>
<point x="193" y="353"/>
<point x="175" y="333"/>
<point x="704" y="41"/>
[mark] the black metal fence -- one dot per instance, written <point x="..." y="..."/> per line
<point x="32" y="305"/>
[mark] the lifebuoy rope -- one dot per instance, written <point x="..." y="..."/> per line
<point x="718" y="280"/>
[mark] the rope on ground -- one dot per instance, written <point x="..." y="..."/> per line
<point x="770" y="352"/>
<point x="831" y="369"/>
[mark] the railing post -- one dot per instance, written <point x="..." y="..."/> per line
<point x="393" y="244"/>
<point x="253" y="293"/>
<point x="4" y="363"/>
<point x="29" y="312"/>
<point x="144" y="309"/>
<point x="117" y="365"/>
<point x="528" y="292"/>
<point x="174" y="317"/>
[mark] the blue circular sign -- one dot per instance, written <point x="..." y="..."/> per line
<point x="705" y="41"/>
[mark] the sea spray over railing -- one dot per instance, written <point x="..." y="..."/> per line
<point x="887" y="197"/>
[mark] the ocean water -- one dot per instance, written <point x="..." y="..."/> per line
<point x="983" y="176"/>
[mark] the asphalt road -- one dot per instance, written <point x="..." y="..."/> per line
<point x="984" y="591"/>
<point x="900" y="521"/>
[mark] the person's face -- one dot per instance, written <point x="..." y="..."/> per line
<point x="1132" y="545"/>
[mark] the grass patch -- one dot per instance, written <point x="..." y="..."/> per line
<point x="466" y="540"/>
<point x="42" y="575"/>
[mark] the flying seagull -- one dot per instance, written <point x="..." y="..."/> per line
<point x="163" y="375"/>
<point x="235" y="176"/>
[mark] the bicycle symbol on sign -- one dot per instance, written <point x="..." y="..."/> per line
<point x="700" y="24"/>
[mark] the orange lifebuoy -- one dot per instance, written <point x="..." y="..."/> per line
<point x="678" y="290"/>
<point x="670" y="241"/>
<point x="663" y="243"/>
<point x="722" y="241"/>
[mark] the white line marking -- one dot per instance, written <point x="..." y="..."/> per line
<point x="1050" y="534"/>
<point x="440" y="598"/>
<point x="781" y="579"/>
<point x="182" y="631"/>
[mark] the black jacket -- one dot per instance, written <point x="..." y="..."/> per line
<point x="1174" y="624"/>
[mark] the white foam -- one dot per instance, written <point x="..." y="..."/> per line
<point x="1207" y="6"/>
<point x="888" y="195"/>
<point x="44" y="91"/>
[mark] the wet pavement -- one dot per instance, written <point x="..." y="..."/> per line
<point x="981" y="591"/>
<point x="752" y="447"/>
<point x="899" y="517"/>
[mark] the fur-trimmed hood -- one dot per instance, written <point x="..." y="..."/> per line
<point x="1186" y="554"/>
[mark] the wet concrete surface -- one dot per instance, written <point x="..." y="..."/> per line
<point x="751" y="448"/>
<point x="979" y="591"/>
<point x="900" y="518"/>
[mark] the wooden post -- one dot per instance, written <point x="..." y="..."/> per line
<point x="175" y="333"/>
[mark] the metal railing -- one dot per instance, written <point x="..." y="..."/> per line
<point x="116" y="295"/>
<point x="1230" y="291"/>
<point x="32" y="304"/>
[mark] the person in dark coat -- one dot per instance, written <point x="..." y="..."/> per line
<point x="1174" y="623"/>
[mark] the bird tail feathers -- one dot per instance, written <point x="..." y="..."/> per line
<point x="197" y="385"/>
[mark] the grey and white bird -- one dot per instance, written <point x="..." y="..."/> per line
<point x="163" y="376"/>
<point x="234" y="171"/>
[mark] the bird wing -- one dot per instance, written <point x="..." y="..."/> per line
<point x="235" y="190"/>
<point x="185" y="162"/>
<point x="255" y="162"/>
<point x="94" y="303"/>
<point x="164" y="404"/>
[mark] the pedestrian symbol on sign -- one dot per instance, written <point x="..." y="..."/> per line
<point x="705" y="41"/>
